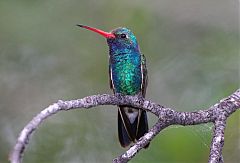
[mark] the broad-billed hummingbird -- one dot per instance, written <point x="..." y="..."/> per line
<point x="128" y="76"/>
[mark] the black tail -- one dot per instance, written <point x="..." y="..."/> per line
<point x="130" y="132"/>
<point x="142" y="126"/>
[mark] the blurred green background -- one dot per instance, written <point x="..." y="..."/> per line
<point x="192" y="51"/>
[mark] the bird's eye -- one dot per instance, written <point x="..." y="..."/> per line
<point x="123" y="35"/>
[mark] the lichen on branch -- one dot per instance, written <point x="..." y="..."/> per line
<point x="216" y="114"/>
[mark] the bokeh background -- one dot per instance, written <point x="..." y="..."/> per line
<point x="192" y="51"/>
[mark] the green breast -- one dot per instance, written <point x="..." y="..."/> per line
<point x="126" y="73"/>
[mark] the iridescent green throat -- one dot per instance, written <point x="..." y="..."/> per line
<point x="126" y="73"/>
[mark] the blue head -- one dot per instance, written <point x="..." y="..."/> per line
<point x="124" y="41"/>
<point x="120" y="40"/>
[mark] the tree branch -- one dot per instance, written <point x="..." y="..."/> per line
<point x="167" y="116"/>
<point x="217" y="141"/>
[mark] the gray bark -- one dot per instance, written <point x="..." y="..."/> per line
<point x="216" y="114"/>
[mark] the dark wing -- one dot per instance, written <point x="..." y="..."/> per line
<point x="110" y="77"/>
<point x="123" y="135"/>
<point x="144" y="75"/>
<point x="126" y="129"/>
<point x="142" y="126"/>
<point x="142" y="120"/>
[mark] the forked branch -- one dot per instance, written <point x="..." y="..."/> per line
<point x="167" y="116"/>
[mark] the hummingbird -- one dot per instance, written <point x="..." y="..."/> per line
<point x="127" y="76"/>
